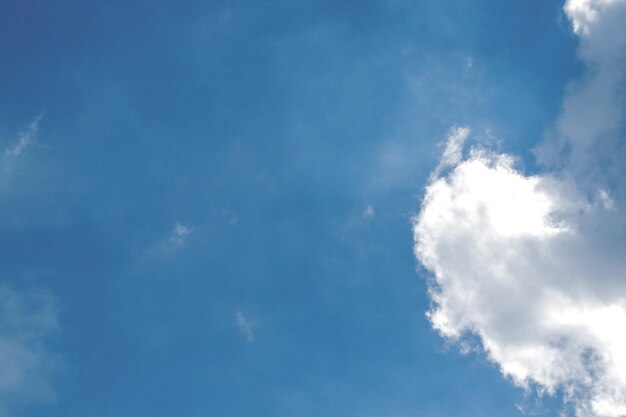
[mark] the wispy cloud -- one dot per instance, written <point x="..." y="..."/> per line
<point x="179" y="236"/>
<point x="369" y="212"/>
<point x="453" y="151"/>
<point x="15" y="151"/>
<point x="27" y="320"/>
<point x="25" y="139"/>
<point x="245" y="326"/>
<point x="167" y="245"/>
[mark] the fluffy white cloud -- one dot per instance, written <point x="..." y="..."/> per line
<point x="534" y="265"/>
<point x="585" y="13"/>
<point x="514" y="262"/>
<point x="27" y="320"/>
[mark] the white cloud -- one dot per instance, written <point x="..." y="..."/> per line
<point x="369" y="212"/>
<point x="587" y="141"/>
<point x="518" y="261"/>
<point x="27" y="320"/>
<point x="585" y="13"/>
<point x="245" y="325"/>
<point x="534" y="265"/>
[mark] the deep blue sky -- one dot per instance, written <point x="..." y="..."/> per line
<point x="266" y="128"/>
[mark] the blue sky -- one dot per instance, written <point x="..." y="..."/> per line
<point x="206" y="205"/>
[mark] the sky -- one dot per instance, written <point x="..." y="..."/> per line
<point x="375" y="208"/>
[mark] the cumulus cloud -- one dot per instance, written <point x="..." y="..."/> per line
<point x="515" y="261"/>
<point x="533" y="264"/>
<point x="587" y="142"/>
<point x="27" y="320"/>
<point x="585" y="13"/>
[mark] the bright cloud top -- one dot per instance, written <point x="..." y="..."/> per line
<point x="512" y="264"/>
<point x="585" y="13"/>
<point x="533" y="265"/>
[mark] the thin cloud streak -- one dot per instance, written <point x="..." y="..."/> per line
<point x="369" y="212"/>
<point x="245" y="325"/>
<point x="27" y="321"/>
<point x="179" y="235"/>
<point x="25" y="139"/>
